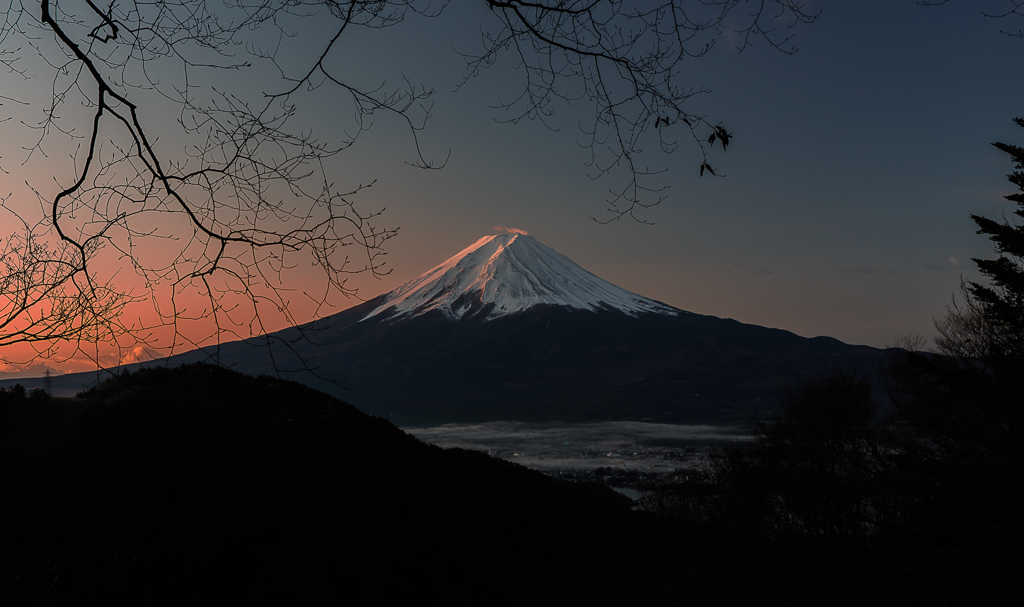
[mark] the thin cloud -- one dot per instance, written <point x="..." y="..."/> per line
<point x="639" y="446"/>
<point x="137" y="354"/>
<point x="756" y="271"/>
<point x="866" y="270"/>
<point x="539" y="436"/>
<point x="16" y="371"/>
<point x="134" y="355"/>
<point x="951" y="263"/>
<point x="505" y="230"/>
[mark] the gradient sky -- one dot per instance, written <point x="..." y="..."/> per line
<point x="854" y="167"/>
<point x="845" y="211"/>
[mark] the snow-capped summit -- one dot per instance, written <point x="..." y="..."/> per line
<point x="637" y="358"/>
<point x="513" y="272"/>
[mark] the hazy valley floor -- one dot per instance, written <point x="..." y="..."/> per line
<point x="621" y="454"/>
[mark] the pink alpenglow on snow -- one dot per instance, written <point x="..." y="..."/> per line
<point x="514" y="272"/>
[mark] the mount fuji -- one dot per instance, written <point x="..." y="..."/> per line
<point x="507" y="274"/>
<point x="509" y="329"/>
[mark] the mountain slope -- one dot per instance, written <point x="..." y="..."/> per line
<point x="556" y="363"/>
<point x="510" y="329"/>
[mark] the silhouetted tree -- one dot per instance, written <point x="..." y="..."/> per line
<point x="809" y="467"/>
<point x="967" y="403"/>
<point x="959" y="423"/>
<point x="13" y="394"/>
<point x="795" y="515"/>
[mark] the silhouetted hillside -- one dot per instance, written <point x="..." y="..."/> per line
<point x="200" y="483"/>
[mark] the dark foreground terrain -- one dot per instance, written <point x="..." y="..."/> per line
<point x="199" y="483"/>
<point x="202" y="485"/>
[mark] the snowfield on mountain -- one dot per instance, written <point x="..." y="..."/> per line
<point x="507" y="273"/>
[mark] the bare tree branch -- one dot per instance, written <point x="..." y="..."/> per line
<point x="994" y="9"/>
<point x="46" y="295"/>
<point x="176" y="156"/>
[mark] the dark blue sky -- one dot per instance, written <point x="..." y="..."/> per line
<point x="845" y="211"/>
<point x="853" y="170"/>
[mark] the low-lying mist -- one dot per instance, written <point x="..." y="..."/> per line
<point x="554" y="446"/>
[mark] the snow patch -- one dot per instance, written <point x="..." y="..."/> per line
<point x="514" y="272"/>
